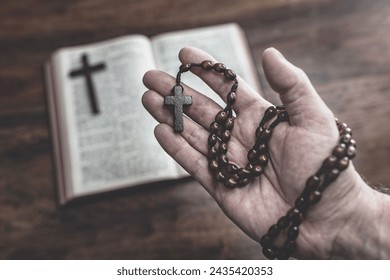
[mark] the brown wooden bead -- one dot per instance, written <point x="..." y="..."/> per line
<point x="258" y="131"/>
<point x="253" y="155"/>
<point x="221" y="177"/>
<point x="213" y="165"/>
<point x="351" y="152"/>
<point x="223" y="159"/>
<point x="330" y="162"/>
<point x="244" y="173"/>
<point x="185" y="67"/>
<point x="231" y="98"/>
<point x="257" y="170"/>
<point x="339" y="150"/>
<point x="314" y="197"/>
<point x="207" y="65"/>
<point x="348" y="131"/>
<point x="289" y="246"/>
<point x="283" y="222"/>
<point x="229" y="74"/>
<point x="265" y="135"/>
<point x="229" y="124"/>
<point x="292" y="233"/>
<point x="332" y="175"/>
<point x="213" y="152"/>
<point x="352" y="143"/>
<point x="265" y="241"/>
<point x="243" y="182"/>
<point x="214" y="127"/>
<point x="221" y="117"/>
<point x="219" y="67"/>
<point x="231" y="183"/>
<point x="346" y="138"/>
<point x="295" y="216"/>
<point x="301" y="204"/>
<point x="269" y="252"/>
<point x="232" y="168"/>
<point x="212" y="139"/>
<point x="343" y="163"/>
<point x="263" y="160"/>
<point x="311" y="184"/>
<point x="223" y="148"/>
<point x="273" y="231"/>
<point x="262" y="148"/>
<point x="226" y="136"/>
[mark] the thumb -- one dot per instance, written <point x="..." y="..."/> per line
<point x="304" y="106"/>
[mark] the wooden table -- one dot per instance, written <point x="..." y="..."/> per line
<point x="344" y="46"/>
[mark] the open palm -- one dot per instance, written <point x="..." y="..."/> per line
<point x="296" y="149"/>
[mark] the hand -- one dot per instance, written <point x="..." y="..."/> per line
<point x="297" y="150"/>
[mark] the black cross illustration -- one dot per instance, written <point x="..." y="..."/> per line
<point x="86" y="70"/>
<point x="178" y="100"/>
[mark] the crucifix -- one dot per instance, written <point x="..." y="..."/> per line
<point x="86" y="70"/>
<point x="178" y="100"/>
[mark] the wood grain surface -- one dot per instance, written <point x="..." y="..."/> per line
<point x="343" y="46"/>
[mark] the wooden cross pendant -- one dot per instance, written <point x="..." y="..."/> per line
<point x="86" y="70"/>
<point x="178" y="100"/>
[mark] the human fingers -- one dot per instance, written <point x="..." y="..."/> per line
<point x="202" y="110"/>
<point x="193" y="161"/>
<point x="246" y="95"/>
<point x="296" y="92"/>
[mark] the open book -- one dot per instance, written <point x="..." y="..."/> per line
<point x="103" y="137"/>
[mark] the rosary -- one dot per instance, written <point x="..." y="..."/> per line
<point x="232" y="176"/>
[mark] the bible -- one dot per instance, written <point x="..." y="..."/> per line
<point x="102" y="136"/>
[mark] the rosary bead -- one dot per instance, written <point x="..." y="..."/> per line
<point x="214" y="127"/>
<point x="243" y="182"/>
<point x="346" y="138"/>
<point x="262" y="148"/>
<point x="219" y="67"/>
<point x="311" y="184"/>
<point x="253" y="155"/>
<point x="339" y="150"/>
<point x="265" y="135"/>
<point x="342" y="126"/>
<point x="273" y="231"/>
<point x="330" y="162"/>
<point x="352" y="143"/>
<point x="332" y="175"/>
<point x="257" y="170"/>
<point x="231" y="98"/>
<point x="292" y="233"/>
<point x="223" y="159"/>
<point x="314" y="197"/>
<point x="269" y="252"/>
<point x="221" y="177"/>
<point x="232" y="168"/>
<point x="234" y="86"/>
<point x="229" y="74"/>
<point x="351" y="152"/>
<point x="348" y="131"/>
<point x="223" y="148"/>
<point x="259" y="130"/>
<point x="243" y="173"/>
<point x="283" y="255"/>
<point x="289" y="246"/>
<point x="301" y="204"/>
<point x="229" y="123"/>
<point x="221" y="117"/>
<point x="343" y="163"/>
<point x="207" y="65"/>
<point x="213" y="152"/>
<point x="212" y="139"/>
<point x="265" y="241"/>
<point x="231" y="183"/>
<point x="283" y="222"/>
<point x="263" y="160"/>
<point x="185" y="67"/>
<point x="226" y="136"/>
<point x="213" y="165"/>
<point x="295" y="216"/>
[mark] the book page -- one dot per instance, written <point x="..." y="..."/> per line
<point x="116" y="147"/>
<point x="226" y="43"/>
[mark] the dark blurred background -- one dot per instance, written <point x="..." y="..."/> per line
<point x="344" y="46"/>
